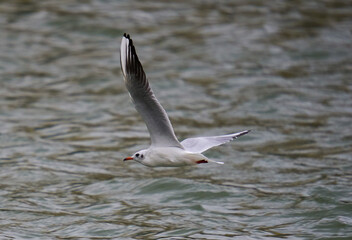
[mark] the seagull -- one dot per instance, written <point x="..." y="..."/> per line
<point x="165" y="150"/>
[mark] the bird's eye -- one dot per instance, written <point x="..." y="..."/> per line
<point x="142" y="156"/>
<point x="137" y="154"/>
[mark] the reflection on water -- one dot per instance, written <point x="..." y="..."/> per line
<point x="282" y="69"/>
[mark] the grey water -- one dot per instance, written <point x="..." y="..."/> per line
<point x="280" y="68"/>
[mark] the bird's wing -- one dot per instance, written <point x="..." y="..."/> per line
<point x="201" y="144"/>
<point x="153" y="114"/>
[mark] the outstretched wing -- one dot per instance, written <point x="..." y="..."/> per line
<point x="153" y="114"/>
<point x="201" y="144"/>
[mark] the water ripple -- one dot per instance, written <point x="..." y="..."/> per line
<point x="280" y="69"/>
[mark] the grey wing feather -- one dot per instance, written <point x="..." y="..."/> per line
<point x="201" y="144"/>
<point x="153" y="114"/>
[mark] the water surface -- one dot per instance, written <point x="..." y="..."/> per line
<point x="280" y="68"/>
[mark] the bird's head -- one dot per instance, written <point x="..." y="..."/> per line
<point x="138" y="156"/>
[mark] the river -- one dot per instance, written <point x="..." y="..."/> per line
<point x="280" y="68"/>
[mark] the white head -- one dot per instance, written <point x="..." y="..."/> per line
<point x="138" y="156"/>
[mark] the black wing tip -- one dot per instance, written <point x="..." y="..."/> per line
<point x="243" y="133"/>
<point x="130" y="41"/>
<point x="126" y="36"/>
<point x="133" y="50"/>
<point x="133" y="62"/>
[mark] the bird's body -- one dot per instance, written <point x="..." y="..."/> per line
<point x="169" y="157"/>
<point x="165" y="150"/>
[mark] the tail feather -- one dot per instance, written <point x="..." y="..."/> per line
<point x="215" y="161"/>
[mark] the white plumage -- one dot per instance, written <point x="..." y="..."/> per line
<point x="165" y="149"/>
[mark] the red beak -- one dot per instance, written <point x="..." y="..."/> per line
<point x="128" y="158"/>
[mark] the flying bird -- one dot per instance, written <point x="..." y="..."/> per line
<point x="165" y="149"/>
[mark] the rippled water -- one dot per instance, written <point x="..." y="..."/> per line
<point x="280" y="68"/>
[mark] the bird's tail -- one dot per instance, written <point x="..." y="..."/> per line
<point x="209" y="160"/>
